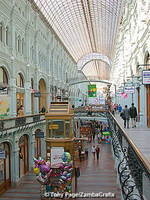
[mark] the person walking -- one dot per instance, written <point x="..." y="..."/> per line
<point x="97" y="152"/>
<point x="126" y="116"/>
<point x="133" y="115"/>
<point x="119" y="108"/>
<point x="93" y="151"/>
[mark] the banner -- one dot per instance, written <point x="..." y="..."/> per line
<point x="92" y="91"/>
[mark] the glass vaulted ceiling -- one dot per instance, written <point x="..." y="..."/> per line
<point x="84" y="26"/>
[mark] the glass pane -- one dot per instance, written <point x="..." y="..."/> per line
<point x="58" y="129"/>
<point x="67" y="124"/>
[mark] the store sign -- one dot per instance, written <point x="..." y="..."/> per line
<point x="129" y="89"/>
<point x="92" y="91"/>
<point x="146" y="77"/>
<point x="3" y="91"/>
<point x="56" y="155"/>
<point x="2" y="154"/>
<point x="39" y="134"/>
<point x="54" y="126"/>
<point x="58" y="97"/>
<point x="37" y="94"/>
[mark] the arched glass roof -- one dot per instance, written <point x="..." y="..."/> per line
<point x="84" y="26"/>
<point x="92" y="56"/>
<point x="97" y="68"/>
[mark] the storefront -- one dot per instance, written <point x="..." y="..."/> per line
<point x="20" y="91"/>
<point x="38" y="135"/>
<point x="43" y="95"/>
<point x="147" y="62"/>
<point x="4" y="97"/>
<point x="23" y="155"/>
<point x="5" y="167"/>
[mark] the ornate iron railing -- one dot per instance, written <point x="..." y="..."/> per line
<point x="10" y="123"/>
<point x="133" y="168"/>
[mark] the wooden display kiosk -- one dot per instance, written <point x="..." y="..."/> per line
<point x="59" y="135"/>
<point x="59" y="127"/>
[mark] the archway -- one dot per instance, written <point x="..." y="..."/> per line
<point x="4" y="97"/>
<point x="92" y="56"/>
<point x="147" y="61"/>
<point x="23" y="155"/>
<point x="20" y="91"/>
<point x="5" y="166"/>
<point x="37" y="146"/>
<point x="43" y="97"/>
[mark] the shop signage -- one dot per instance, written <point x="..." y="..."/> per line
<point x="37" y="94"/>
<point x="56" y="155"/>
<point x="146" y="77"/>
<point x="54" y="126"/>
<point x="3" y="91"/>
<point x="58" y="97"/>
<point x="129" y="89"/>
<point x="39" y="134"/>
<point x="2" y="154"/>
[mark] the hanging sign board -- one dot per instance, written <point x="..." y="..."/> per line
<point x="92" y="91"/>
<point x="39" y="134"/>
<point x="3" y="91"/>
<point x="56" y="155"/>
<point x="146" y="77"/>
<point x="129" y="90"/>
<point x="2" y="154"/>
<point x="37" y="94"/>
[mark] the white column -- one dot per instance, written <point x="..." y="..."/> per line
<point x="31" y="150"/>
<point x="28" y="92"/>
<point x="143" y="106"/>
<point x="15" y="174"/>
<point x="12" y="92"/>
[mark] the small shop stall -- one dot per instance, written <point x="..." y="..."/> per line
<point x="59" y="151"/>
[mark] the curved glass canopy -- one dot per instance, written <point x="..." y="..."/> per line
<point x="92" y="56"/>
<point x="97" y="68"/>
<point x="84" y="26"/>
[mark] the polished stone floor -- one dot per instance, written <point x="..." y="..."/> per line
<point x="99" y="175"/>
<point x="95" y="176"/>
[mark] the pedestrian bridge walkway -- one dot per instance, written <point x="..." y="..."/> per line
<point x="140" y="137"/>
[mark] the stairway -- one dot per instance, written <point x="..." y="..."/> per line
<point x="28" y="189"/>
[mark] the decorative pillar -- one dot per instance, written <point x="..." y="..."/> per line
<point x="12" y="92"/>
<point x="28" y="92"/>
<point x="31" y="149"/>
<point x="15" y="174"/>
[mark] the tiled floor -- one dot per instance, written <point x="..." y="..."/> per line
<point x="96" y="176"/>
<point x="29" y="189"/>
<point x="99" y="175"/>
<point x="140" y="137"/>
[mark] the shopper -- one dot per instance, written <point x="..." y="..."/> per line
<point x="126" y="116"/>
<point x="97" y="152"/>
<point x="93" y="151"/>
<point x="43" y="110"/>
<point x="20" y="111"/>
<point x="133" y="115"/>
<point x="119" y="108"/>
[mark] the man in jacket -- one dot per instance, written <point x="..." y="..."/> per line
<point x="133" y="115"/>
